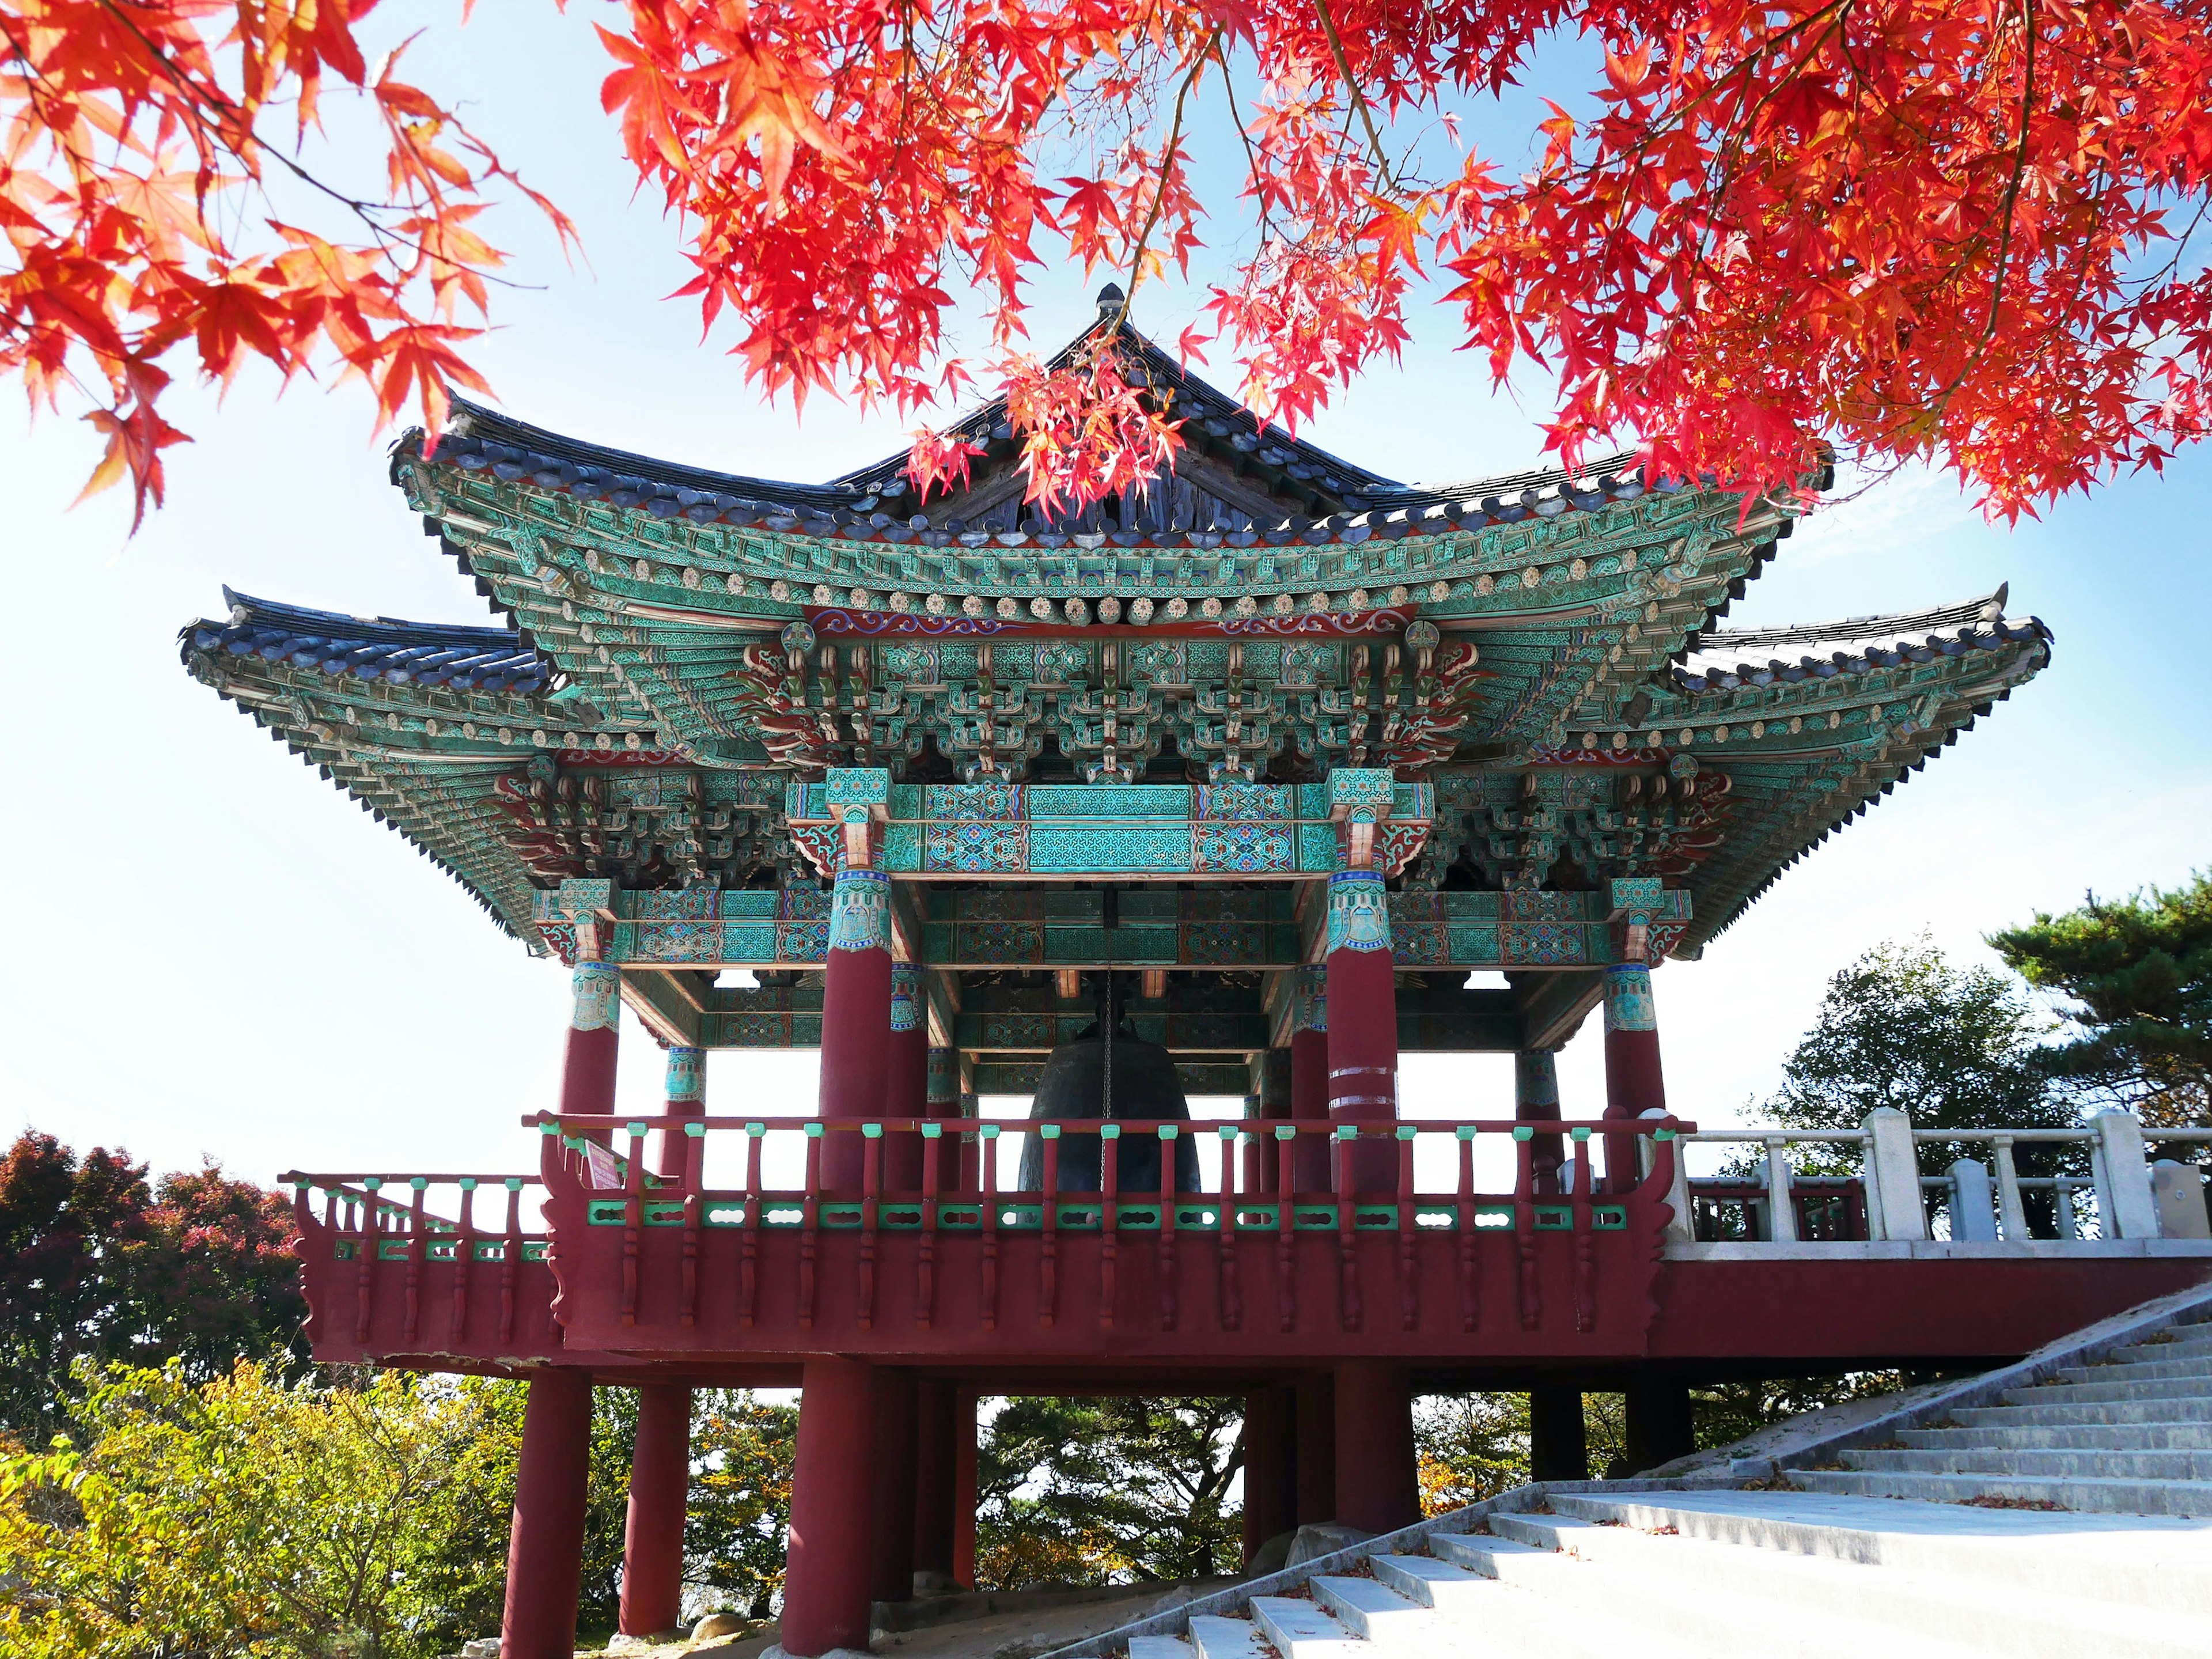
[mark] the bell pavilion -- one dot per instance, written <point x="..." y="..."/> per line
<point x="1225" y="787"/>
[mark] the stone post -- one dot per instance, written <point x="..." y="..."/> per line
<point x="1363" y="1033"/>
<point x="1536" y="1100"/>
<point x="833" y="1490"/>
<point x="907" y="1084"/>
<point x="545" y="1548"/>
<point x="659" y="1487"/>
<point x="1377" y="1483"/>
<point x="1893" y="1162"/>
<point x="1974" y="1206"/>
<point x="2123" y="1195"/>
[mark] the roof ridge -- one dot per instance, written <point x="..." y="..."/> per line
<point x="1962" y="610"/>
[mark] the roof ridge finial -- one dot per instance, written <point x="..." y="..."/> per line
<point x="1111" y="299"/>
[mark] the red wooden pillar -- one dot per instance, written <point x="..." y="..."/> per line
<point x="1362" y="1025"/>
<point x="686" y="1097"/>
<point x="833" y="1491"/>
<point x="587" y="1070"/>
<point x="1633" y="1083"/>
<point x="1270" y="1466"/>
<point x="1310" y="1162"/>
<point x="1271" y="1106"/>
<point x="890" y="1554"/>
<point x="1377" y="1483"/>
<point x="659" y="1484"/>
<point x="1536" y="1100"/>
<point x="935" y="1471"/>
<point x="856" y="1018"/>
<point x="545" y="1548"/>
<point x="963" y="1488"/>
<point x="1316" y="1410"/>
<point x="906" y="1092"/>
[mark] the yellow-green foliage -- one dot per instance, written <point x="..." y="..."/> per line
<point x="243" y="1516"/>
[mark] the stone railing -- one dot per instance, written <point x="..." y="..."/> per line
<point x="2095" y="1183"/>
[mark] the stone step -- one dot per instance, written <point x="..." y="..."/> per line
<point x="2097" y="1394"/>
<point x="2182" y="1347"/>
<point x="2070" y="1437"/>
<point x="2135" y="1562"/>
<point x="2183" y="1465"/>
<point x="1305" y="1630"/>
<point x="2085" y="1413"/>
<point x="1541" y="1608"/>
<point x="1378" y="1614"/>
<point x="2136" y="1371"/>
<point x="2083" y="1492"/>
<point x="1710" y="1593"/>
<point x="1161" y="1647"/>
<point x="1216" y="1638"/>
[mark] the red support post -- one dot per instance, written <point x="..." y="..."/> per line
<point x="1274" y="1107"/>
<point x="587" y="1070"/>
<point x="1633" y="1082"/>
<point x="1377" y="1482"/>
<point x="659" y="1484"/>
<point x="1309" y="1079"/>
<point x="545" y="1548"/>
<point x="963" y="1488"/>
<point x="1363" y="1024"/>
<point x="906" y="1092"/>
<point x="891" y="1555"/>
<point x="1270" y="1466"/>
<point x="856" y="1018"/>
<point x="1316" y="1413"/>
<point x="833" y="1491"/>
<point x="686" y="1097"/>
<point x="1536" y="1100"/>
<point x="935" y="1478"/>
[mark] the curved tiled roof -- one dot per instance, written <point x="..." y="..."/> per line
<point x="374" y="648"/>
<point x="1348" y="502"/>
<point x="1856" y="644"/>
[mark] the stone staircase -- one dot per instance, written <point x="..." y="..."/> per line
<point x="2057" y="1508"/>
<point x="2132" y="1434"/>
<point x="1782" y="1576"/>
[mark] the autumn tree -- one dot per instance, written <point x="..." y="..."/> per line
<point x="2134" y="977"/>
<point x="97" y="1263"/>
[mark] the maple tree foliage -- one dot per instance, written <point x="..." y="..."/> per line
<point x="158" y="212"/>
<point x="1915" y="230"/>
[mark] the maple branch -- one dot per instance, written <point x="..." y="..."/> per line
<point x="249" y="143"/>
<point x="2019" y="171"/>
<point x="1358" y="101"/>
<point x="1167" y="162"/>
<point x="1253" y="171"/>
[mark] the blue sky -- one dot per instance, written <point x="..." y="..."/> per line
<point x="212" y="952"/>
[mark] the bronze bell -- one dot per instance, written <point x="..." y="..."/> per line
<point x="1143" y="1088"/>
